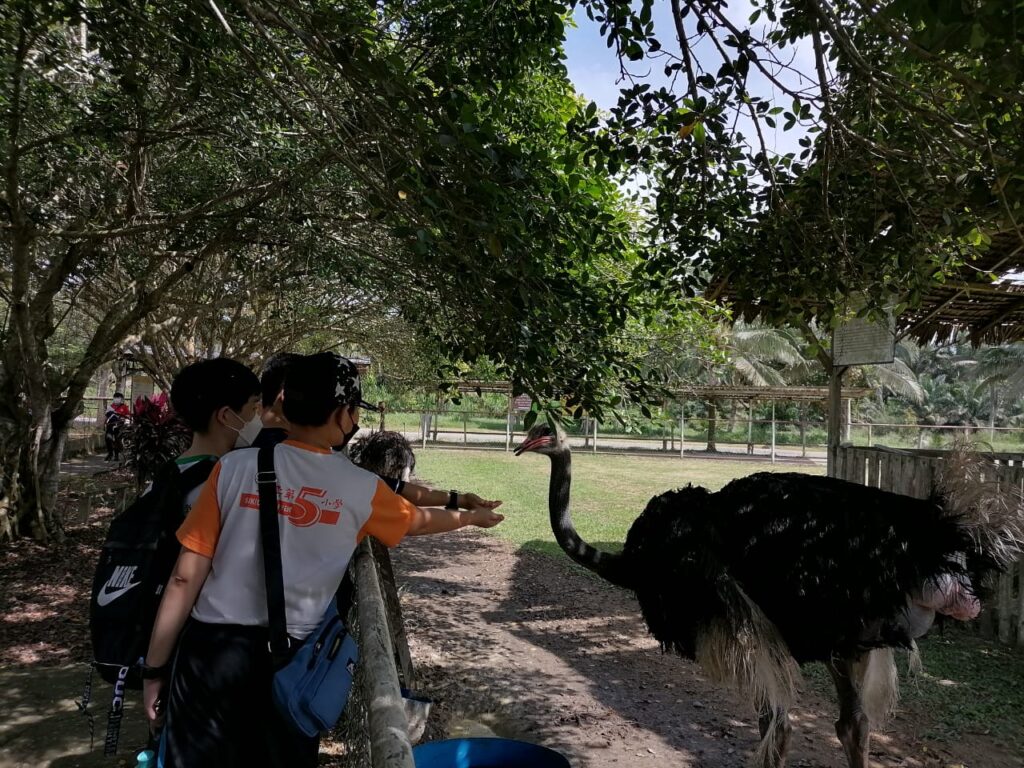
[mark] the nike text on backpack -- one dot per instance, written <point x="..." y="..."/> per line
<point x="312" y="687"/>
<point x="135" y="564"/>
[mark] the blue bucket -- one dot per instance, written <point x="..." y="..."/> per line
<point x="486" y="753"/>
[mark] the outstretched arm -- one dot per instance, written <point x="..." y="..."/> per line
<point x="430" y="520"/>
<point x="422" y="496"/>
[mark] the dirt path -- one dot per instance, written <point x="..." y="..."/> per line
<point x="506" y="641"/>
<point x="513" y="642"/>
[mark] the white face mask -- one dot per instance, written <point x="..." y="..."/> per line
<point x="247" y="434"/>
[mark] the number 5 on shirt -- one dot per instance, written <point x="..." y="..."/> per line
<point x="304" y="512"/>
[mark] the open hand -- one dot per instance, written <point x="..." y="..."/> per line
<point x="484" y="517"/>
<point x="474" y="503"/>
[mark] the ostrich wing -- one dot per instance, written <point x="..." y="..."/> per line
<point x="832" y="563"/>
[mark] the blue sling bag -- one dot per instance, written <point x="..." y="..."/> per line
<point x="312" y="685"/>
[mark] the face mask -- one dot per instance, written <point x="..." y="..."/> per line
<point x="118" y="400"/>
<point x="247" y="434"/>
<point x="345" y="439"/>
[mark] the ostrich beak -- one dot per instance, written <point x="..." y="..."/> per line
<point x="530" y="445"/>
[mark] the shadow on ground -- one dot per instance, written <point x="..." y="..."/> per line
<point x="550" y="654"/>
<point x="42" y="727"/>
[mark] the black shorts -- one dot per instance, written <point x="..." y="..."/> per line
<point x="219" y="706"/>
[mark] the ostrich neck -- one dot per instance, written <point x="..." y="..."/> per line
<point x="605" y="564"/>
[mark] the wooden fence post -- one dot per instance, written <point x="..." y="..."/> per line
<point x="1005" y="603"/>
<point x="388" y="726"/>
<point x="396" y="624"/>
<point x="1020" y="604"/>
<point x="508" y="425"/>
<point x="682" y="429"/>
<point x="803" y="431"/>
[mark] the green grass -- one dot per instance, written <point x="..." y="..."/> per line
<point x="608" y="492"/>
<point x="969" y="686"/>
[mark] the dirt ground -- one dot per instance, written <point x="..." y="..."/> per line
<point x="505" y="641"/>
<point x="514" y="643"/>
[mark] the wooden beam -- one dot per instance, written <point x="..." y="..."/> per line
<point x="1008" y="310"/>
<point x="389" y="737"/>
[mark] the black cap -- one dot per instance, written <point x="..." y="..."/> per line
<point x="325" y="376"/>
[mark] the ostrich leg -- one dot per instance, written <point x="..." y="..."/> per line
<point x="852" y="727"/>
<point x="775" y="730"/>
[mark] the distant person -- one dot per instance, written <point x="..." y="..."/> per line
<point x="114" y="421"/>
<point x="220" y="711"/>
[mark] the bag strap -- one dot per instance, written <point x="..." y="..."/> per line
<point x="194" y="475"/>
<point x="266" y="481"/>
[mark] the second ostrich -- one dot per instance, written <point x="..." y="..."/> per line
<point x="776" y="570"/>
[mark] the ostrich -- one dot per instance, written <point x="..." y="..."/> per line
<point x="387" y="454"/>
<point x="777" y="570"/>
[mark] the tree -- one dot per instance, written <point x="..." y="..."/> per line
<point x="907" y="164"/>
<point x="103" y="117"/>
<point x="758" y="356"/>
<point x="148" y="146"/>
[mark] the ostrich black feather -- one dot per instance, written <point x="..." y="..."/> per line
<point x="830" y="563"/>
<point x="387" y="454"/>
<point x="777" y="569"/>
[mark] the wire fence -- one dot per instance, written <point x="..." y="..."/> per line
<point x="490" y="428"/>
<point x="786" y="438"/>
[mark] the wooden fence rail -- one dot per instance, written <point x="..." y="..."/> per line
<point x="914" y="473"/>
<point x="390" y="746"/>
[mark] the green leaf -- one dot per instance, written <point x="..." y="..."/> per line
<point x="529" y="420"/>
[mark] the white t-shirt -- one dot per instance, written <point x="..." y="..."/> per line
<point x="326" y="505"/>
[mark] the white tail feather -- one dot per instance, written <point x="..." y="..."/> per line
<point x="754" y="658"/>
<point x="914" y="664"/>
<point x="879" y="684"/>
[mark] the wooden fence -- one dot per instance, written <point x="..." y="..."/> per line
<point x="914" y="473"/>
<point x="387" y="724"/>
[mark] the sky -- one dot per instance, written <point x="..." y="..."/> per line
<point x="594" y="68"/>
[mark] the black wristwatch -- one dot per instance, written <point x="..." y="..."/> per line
<point x="453" y="500"/>
<point x="154" y="673"/>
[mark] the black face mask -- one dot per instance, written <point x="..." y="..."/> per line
<point x="345" y="440"/>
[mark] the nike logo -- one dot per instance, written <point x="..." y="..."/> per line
<point x="120" y="581"/>
<point x="105" y="597"/>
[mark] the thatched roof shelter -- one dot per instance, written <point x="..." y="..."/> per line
<point x="988" y="312"/>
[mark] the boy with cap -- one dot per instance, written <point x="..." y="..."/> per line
<point x="219" y="707"/>
<point x="275" y="430"/>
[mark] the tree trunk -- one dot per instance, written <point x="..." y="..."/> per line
<point x="712" y="426"/>
<point x="30" y="472"/>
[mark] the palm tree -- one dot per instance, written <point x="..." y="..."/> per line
<point x="900" y="377"/>
<point x="756" y="355"/>
<point x="999" y="370"/>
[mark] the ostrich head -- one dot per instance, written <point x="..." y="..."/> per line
<point x="545" y="439"/>
<point x="384" y="453"/>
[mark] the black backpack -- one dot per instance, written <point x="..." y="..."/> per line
<point x="135" y="564"/>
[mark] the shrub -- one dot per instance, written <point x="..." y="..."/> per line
<point x="154" y="436"/>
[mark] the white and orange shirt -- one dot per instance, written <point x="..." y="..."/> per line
<point x="326" y="505"/>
